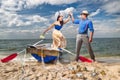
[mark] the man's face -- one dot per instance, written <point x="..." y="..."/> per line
<point x="83" y="16"/>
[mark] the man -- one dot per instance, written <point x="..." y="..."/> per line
<point x="82" y="36"/>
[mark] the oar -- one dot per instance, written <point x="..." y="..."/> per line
<point x="12" y="56"/>
<point x="82" y="58"/>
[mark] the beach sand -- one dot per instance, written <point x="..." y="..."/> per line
<point x="33" y="70"/>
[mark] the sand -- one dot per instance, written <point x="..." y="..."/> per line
<point x="33" y="70"/>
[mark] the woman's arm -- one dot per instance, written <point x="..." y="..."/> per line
<point x="50" y="27"/>
<point x="67" y="20"/>
<point x="71" y="15"/>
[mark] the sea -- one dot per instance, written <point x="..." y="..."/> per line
<point x="102" y="47"/>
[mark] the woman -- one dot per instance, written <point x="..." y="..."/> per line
<point x="59" y="40"/>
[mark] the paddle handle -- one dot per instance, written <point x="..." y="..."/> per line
<point x="33" y="45"/>
<point x="37" y="42"/>
<point x="68" y="51"/>
<point x="21" y="51"/>
<point x="83" y="59"/>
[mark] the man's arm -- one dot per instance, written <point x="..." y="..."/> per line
<point x="75" y="21"/>
<point x="90" y="25"/>
<point x="91" y="36"/>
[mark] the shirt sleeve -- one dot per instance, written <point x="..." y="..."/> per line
<point x="90" y="25"/>
<point x="76" y="21"/>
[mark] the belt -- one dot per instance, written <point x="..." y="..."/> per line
<point x="83" y="34"/>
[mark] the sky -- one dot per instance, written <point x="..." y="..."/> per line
<point x="27" y="19"/>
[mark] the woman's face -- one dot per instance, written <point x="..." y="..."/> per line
<point x="60" y="18"/>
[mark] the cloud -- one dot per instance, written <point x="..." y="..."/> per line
<point x="107" y="27"/>
<point x="36" y="18"/>
<point x="17" y="5"/>
<point x="8" y="14"/>
<point x="14" y="19"/>
<point x="112" y="7"/>
<point x="26" y="20"/>
<point x="16" y="22"/>
<point x="31" y="3"/>
<point x="95" y="13"/>
<point x="12" y="5"/>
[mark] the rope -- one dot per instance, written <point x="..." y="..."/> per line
<point x="68" y="51"/>
<point x="42" y="58"/>
<point x="22" y="68"/>
<point x="58" y="61"/>
<point x="23" y="61"/>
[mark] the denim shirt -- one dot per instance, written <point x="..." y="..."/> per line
<point x="84" y="25"/>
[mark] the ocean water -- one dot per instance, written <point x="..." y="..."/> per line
<point x="101" y="46"/>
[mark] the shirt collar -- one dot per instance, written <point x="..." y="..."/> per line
<point x="84" y="19"/>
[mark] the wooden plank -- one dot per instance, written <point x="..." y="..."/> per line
<point x="46" y="52"/>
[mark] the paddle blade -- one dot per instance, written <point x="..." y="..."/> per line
<point x="9" y="58"/>
<point x="84" y="59"/>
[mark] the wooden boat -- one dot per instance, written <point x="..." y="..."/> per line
<point x="43" y="51"/>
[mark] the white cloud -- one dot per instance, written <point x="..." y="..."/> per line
<point x="16" y="5"/>
<point x="30" y="20"/>
<point x="36" y="18"/>
<point x="112" y="7"/>
<point x="107" y="28"/>
<point x="95" y="13"/>
<point x="22" y="33"/>
<point x="31" y="3"/>
<point x="13" y="19"/>
<point x="12" y="5"/>
<point x="9" y="18"/>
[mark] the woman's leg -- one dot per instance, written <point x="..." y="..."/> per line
<point x="56" y="42"/>
<point x="63" y="42"/>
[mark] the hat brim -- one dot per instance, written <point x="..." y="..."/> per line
<point x="84" y="13"/>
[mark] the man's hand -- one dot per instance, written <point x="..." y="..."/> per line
<point x="91" y="37"/>
<point x="90" y="40"/>
<point x="71" y="15"/>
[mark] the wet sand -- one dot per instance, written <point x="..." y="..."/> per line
<point x="33" y="70"/>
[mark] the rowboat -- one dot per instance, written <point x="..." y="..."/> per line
<point x="43" y="51"/>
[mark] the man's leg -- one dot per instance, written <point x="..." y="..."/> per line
<point x="88" y="45"/>
<point x="78" y="46"/>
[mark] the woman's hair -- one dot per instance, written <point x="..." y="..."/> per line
<point x="61" y="22"/>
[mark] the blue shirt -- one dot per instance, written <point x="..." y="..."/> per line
<point x="84" y="25"/>
<point x="58" y="27"/>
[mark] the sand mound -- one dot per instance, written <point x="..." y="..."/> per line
<point x="73" y="71"/>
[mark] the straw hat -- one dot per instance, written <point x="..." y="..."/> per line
<point x="85" y="12"/>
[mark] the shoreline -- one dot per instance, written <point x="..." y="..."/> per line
<point x="105" y="59"/>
